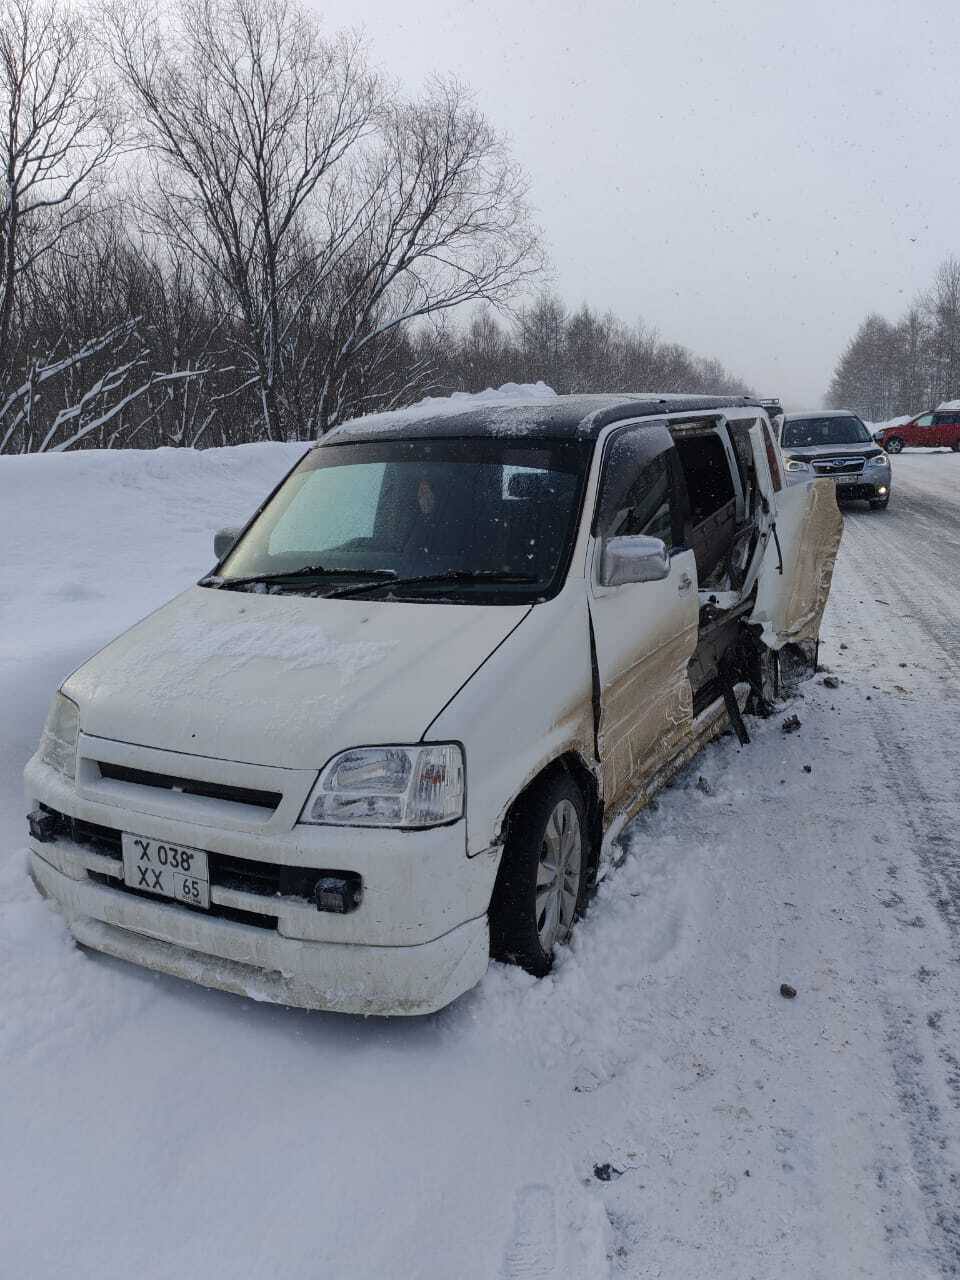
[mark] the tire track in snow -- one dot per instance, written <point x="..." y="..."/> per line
<point x="917" y="553"/>
<point x="532" y="1252"/>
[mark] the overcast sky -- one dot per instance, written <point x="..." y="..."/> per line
<point x="750" y="177"/>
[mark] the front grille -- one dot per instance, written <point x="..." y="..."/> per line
<point x="191" y="786"/>
<point x="247" y="875"/>
<point x="103" y="840"/>
<point x="253" y="918"/>
<point x="272" y="879"/>
<point x="839" y="466"/>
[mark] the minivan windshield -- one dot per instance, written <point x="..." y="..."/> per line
<point x="462" y="519"/>
<point x="806" y="433"/>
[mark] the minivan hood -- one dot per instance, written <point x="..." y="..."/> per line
<point x="283" y="680"/>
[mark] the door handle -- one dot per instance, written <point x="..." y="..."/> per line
<point x="686" y="582"/>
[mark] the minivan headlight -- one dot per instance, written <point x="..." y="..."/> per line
<point x="58" y="742"/>
<point x="420" y="786"/>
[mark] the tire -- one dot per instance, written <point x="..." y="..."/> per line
<point x="879" y="504"/>
<point x="548" y="829"/>
<point x="956" y="446"/>
<point x="894" y="445"/>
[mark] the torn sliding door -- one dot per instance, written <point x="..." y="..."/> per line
<point x="789" y="605"/>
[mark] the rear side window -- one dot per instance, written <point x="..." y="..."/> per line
<point x="951" y="419"/>
<point x="707" y="473"/>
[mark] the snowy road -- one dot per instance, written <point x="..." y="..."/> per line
<point x="152" y="1129"/>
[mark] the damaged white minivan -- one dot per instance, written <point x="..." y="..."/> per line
<point x="400" y="726"/>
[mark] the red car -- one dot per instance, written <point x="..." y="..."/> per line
<point x="935" y="430"/>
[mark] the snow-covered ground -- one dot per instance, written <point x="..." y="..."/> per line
<point x="654" y="1108"/>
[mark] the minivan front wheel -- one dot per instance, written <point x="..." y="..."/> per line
<point x="540" y="885"/>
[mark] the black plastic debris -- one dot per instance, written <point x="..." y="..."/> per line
<point x="788" y="992"/>
<point x="791" y="724"/>
<point x="831" y="682"/>
<point x="606" y="1172"/>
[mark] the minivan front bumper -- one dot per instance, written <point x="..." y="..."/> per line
<point x="417" y="940"/>
<point x="340" y="977"/>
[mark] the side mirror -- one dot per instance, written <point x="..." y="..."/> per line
<point x="633" y="558"/>
<point x="223" y="541"/>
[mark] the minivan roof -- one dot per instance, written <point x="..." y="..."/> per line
<point x="580" y="417"/>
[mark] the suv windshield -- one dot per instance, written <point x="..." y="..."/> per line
<point x="802" y="433"/>
<point x="490" y="518"/>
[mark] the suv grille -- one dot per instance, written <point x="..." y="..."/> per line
<point x="190" y="786"/>
<point x="847" y="464"/>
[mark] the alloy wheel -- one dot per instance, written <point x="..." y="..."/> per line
<point x="558" y="875"/>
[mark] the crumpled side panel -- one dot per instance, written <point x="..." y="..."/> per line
<point x="809" y="525"/>
<point x="646" y="715"/>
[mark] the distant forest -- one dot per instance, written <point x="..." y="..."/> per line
<point x="221" y="224"/>
<point x="890" y="369"/>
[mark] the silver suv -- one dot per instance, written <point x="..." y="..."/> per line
<point x="836" y="445"/>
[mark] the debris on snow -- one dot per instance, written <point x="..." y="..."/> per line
<point x="788" y="992"/>
<point x="831" y="682"/>
<point x="791" y="724"/>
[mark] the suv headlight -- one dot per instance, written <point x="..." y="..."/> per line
<point x="796" y="464"/>
<point x="58" y="742"/>
<point x="881" y="460"/>
<point x="419" y="786"/>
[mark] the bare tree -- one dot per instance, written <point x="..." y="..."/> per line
<point x="445" y="222"/>
<point x="332" y="213"/>
<point x="245" y="114"/>
<point x="102" y="401"/>
<point x="58" y="134"/>
<point x="888" y="370"/>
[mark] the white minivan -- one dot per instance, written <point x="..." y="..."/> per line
<point x="400" y="726"/>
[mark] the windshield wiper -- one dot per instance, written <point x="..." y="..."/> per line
<point x="292" y="575"/>
<point x="451" y="576"/>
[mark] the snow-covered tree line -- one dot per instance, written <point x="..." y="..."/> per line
<point x="218" y="223"/>
<point x="889" y="369"/>
<point x="571" y="351"/>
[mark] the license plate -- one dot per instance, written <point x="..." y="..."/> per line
<point x="851" y="477"/>
<point x="168" y="870"/>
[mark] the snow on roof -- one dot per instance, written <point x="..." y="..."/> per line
<point x="511" y="393"/>
<point x="948" y="406"/>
